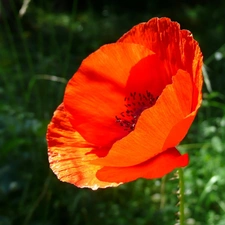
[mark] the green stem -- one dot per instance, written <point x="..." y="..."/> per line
<point x="181" y="196"/>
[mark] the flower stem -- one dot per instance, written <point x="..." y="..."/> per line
<point x="181" y="196"/>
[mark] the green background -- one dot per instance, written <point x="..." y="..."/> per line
<point x="39" y="51"/>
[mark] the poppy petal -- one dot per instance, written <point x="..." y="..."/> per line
<point x="175" y="47"/>
<point x="148" y="75"/>
<point x="68" y="154"/>
<point x="95" y="94"/>
<point x="155" y="167"/>
<point x="155" y="125"/>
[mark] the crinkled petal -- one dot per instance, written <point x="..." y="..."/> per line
<point x="175" y="47"/>
<point x="155" y="167"/>
<point x="69" y="154"/>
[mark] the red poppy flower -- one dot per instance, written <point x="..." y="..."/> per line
<point x="127" y="107"/>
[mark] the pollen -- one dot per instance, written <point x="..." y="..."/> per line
<point x="135" y="104"/>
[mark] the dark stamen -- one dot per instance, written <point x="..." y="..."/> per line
<point x="135" y="106"/>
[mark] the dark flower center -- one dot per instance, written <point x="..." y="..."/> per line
<point x="135" y="103"/>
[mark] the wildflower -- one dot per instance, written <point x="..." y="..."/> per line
<point x="127" y="108"/>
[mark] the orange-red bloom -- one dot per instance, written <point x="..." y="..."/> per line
<point x="127" y="107"/>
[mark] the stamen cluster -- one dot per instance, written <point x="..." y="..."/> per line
<point x="135" y="103"/>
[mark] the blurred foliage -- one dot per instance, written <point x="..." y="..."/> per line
<point x="42" y="44"/>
